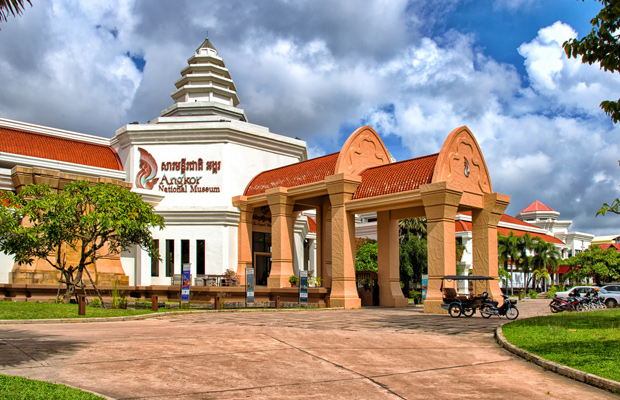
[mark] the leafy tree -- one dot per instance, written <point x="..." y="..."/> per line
<point x="13" y="7"/>
<point x="86" y="220"/>
<point x="601" y="46"/>
<point x="525" y="245"/>
<point x="413" y="260"/>
<point x="413" y="226"/>
<point x="366" y="258"/>
<point x="546" y="256"/>
<point x="603" y="265"/>
<point x="508" y="252"/>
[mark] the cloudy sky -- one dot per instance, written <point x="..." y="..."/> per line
<point x="414" y="70"/>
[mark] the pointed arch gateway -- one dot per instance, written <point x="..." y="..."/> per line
<point x="362" y="178"/>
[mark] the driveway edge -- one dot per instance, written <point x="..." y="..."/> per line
<point x="146" y="316"/>
<point x="590" y="379"/>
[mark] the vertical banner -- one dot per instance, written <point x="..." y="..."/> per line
<point x="303" y="286"/>
<point x="249" y="285"/>
<point x="424" y="286"/>
<point x="185" y="283"/>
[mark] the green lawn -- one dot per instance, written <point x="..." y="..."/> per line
<point x="16" y="388"/>
<point x="587" y="341"/>
<point x="23" y="310"/>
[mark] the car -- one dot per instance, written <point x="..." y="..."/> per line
<point x="610" y="288"/>
<point x="581" y="290"/>
<point x="610" y="295"/>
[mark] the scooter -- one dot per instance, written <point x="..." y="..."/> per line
<point x="508" y="309"/>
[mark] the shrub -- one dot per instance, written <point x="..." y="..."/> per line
<point x="95" y="303"/>
<point x="293" y="280"/>
<point x="532" y="293"/>
<point x="551" y="291"/>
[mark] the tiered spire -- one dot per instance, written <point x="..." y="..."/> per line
<point x="205" y="88"/>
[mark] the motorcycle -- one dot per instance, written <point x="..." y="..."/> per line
<point x="508" y="309"/>
<point x="571" y="303"/>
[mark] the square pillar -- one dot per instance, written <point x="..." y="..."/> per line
<point x="282" y="227"/>
<point x="441" y="201"/>
<point x="390" y="293"/>
<point x="484" y="238"/>
<point x="324" y="233"/>
<point x="244" y="236"/>
<point x="344" y="287"/>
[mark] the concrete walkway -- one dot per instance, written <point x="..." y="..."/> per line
<point x="371" y="353"/>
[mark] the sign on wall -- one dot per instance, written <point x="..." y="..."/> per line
<point x="180" y="175"/>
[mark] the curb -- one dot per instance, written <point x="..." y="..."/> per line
<point x="590" y="379"/>
<point x="147" y="316"/>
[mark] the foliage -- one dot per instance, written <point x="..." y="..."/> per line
<point x="27" y="310"/>
<point x="293" y="279"/>
<point x="415" y="295"/>
<point x="95" y="303"/>
<point x="552" y="290"/>
<point x="317" y="281"/>
<point x="603" y="265"/>
<point x="585" y="341"/>
<point x="86" y="220"/>
<point x="366" y="258"/>
<point x="13" y="7"/>
<point x="532" y="294"/>
<point x="413" y="259"/>
<point x="412" y="226"/>
<point x="15" y="387"/>
<point x="613" y="208"/>
<point x="503" y="275"/>
<point x="508" y="251"/>
<point x="601" y="46"/>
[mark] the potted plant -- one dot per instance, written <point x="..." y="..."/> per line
<point x="317" y="281"/>
<point x="293" y="280"/>
<point x="232" y="279"/>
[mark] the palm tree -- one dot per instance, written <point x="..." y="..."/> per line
<point x="525" y="244"/>
<point x="414" y="226"/>
<point x="508" y="252"/>
<point x="13" y="7"/>
<point x="545" y="255"/>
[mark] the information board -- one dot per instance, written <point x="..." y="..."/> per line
<point x="249" y="285"/>
<point x="303" y="286"/>
<point x="424" y="286"/>
<point x="186" y="279"/>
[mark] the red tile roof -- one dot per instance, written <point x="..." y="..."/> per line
<point x="465" y="226"/>
<point x="537" y="206"/>
<point x="314" y="170"/>
<point x="608" y="245"/>
<point x="311" y="224"/>
<point x="59" y="149"/>
<point x="396" y="177"/>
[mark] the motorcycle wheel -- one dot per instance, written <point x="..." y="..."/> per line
<point x="512" y="313"/>
<point x="455" y="310"/>
<point x="468" y="312"/>
<point x="484" y="310"/>
<point x="554" y="306"/>
<point x="554" y="310"/>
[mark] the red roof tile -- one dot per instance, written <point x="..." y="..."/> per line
<point x="465" y="226"/>
<point x="59" y="149"/>
<point x="311" y="224"/>
<point x="608" y="245"/>
<point x="314" y="170"/>
<point x="396" y="177"/>
<point x="537" y="206"/>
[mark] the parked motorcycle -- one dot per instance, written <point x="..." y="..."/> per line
<point x="571" y="303"/>
<point x="508" y="309"/>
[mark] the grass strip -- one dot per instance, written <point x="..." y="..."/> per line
<point x="17" y="388"/>
<point x="587" y="341"/>
<point x="27" y="310"/>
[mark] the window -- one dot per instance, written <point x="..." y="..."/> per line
<point x="200" y="257"/>
<point x="261" y="242"/>
<point x="155" y="260"/>
<point x="169" y="257"/>
<point x="184" y="251"/>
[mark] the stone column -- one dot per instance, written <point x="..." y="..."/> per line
<point x="244" y="236"/>
<point x="325" y="241"/>
<point x="282" y="226"/>
<point x="390" y="293"/>
<point x="484" y="237"/>
<point x="344" y="287"/>
<point x="441" y="201"/>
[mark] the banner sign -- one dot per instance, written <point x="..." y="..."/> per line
<point x="249" y="285"/>
<point x="185" y="283"/>
<point x="424" y="286"/>
<point x="303" y="286"/>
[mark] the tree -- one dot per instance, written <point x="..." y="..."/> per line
<point x="508" y="252"/>
<point x="413" y="260"/>
<point x="13" y="7"/>
<point x="525" y="244"/>
<point x="602" y="265"/>
<point x="84" y="220"/>
<point x="601" y="46"/>
<point x="414" y="226"/>
<point x="546" y="256"/>
<point x="366" y="258"/>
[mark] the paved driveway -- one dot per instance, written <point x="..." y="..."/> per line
<point x="371" y="353"/>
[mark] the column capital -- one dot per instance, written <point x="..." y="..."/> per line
<point x="240" y="201"/>
<point x="441" y="200"/>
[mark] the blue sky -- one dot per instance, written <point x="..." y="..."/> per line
<point x="414" y="70"/>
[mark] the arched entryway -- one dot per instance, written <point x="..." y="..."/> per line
<point x="361" y="178"/>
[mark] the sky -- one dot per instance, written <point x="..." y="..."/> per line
<point x="318" y="70"/>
